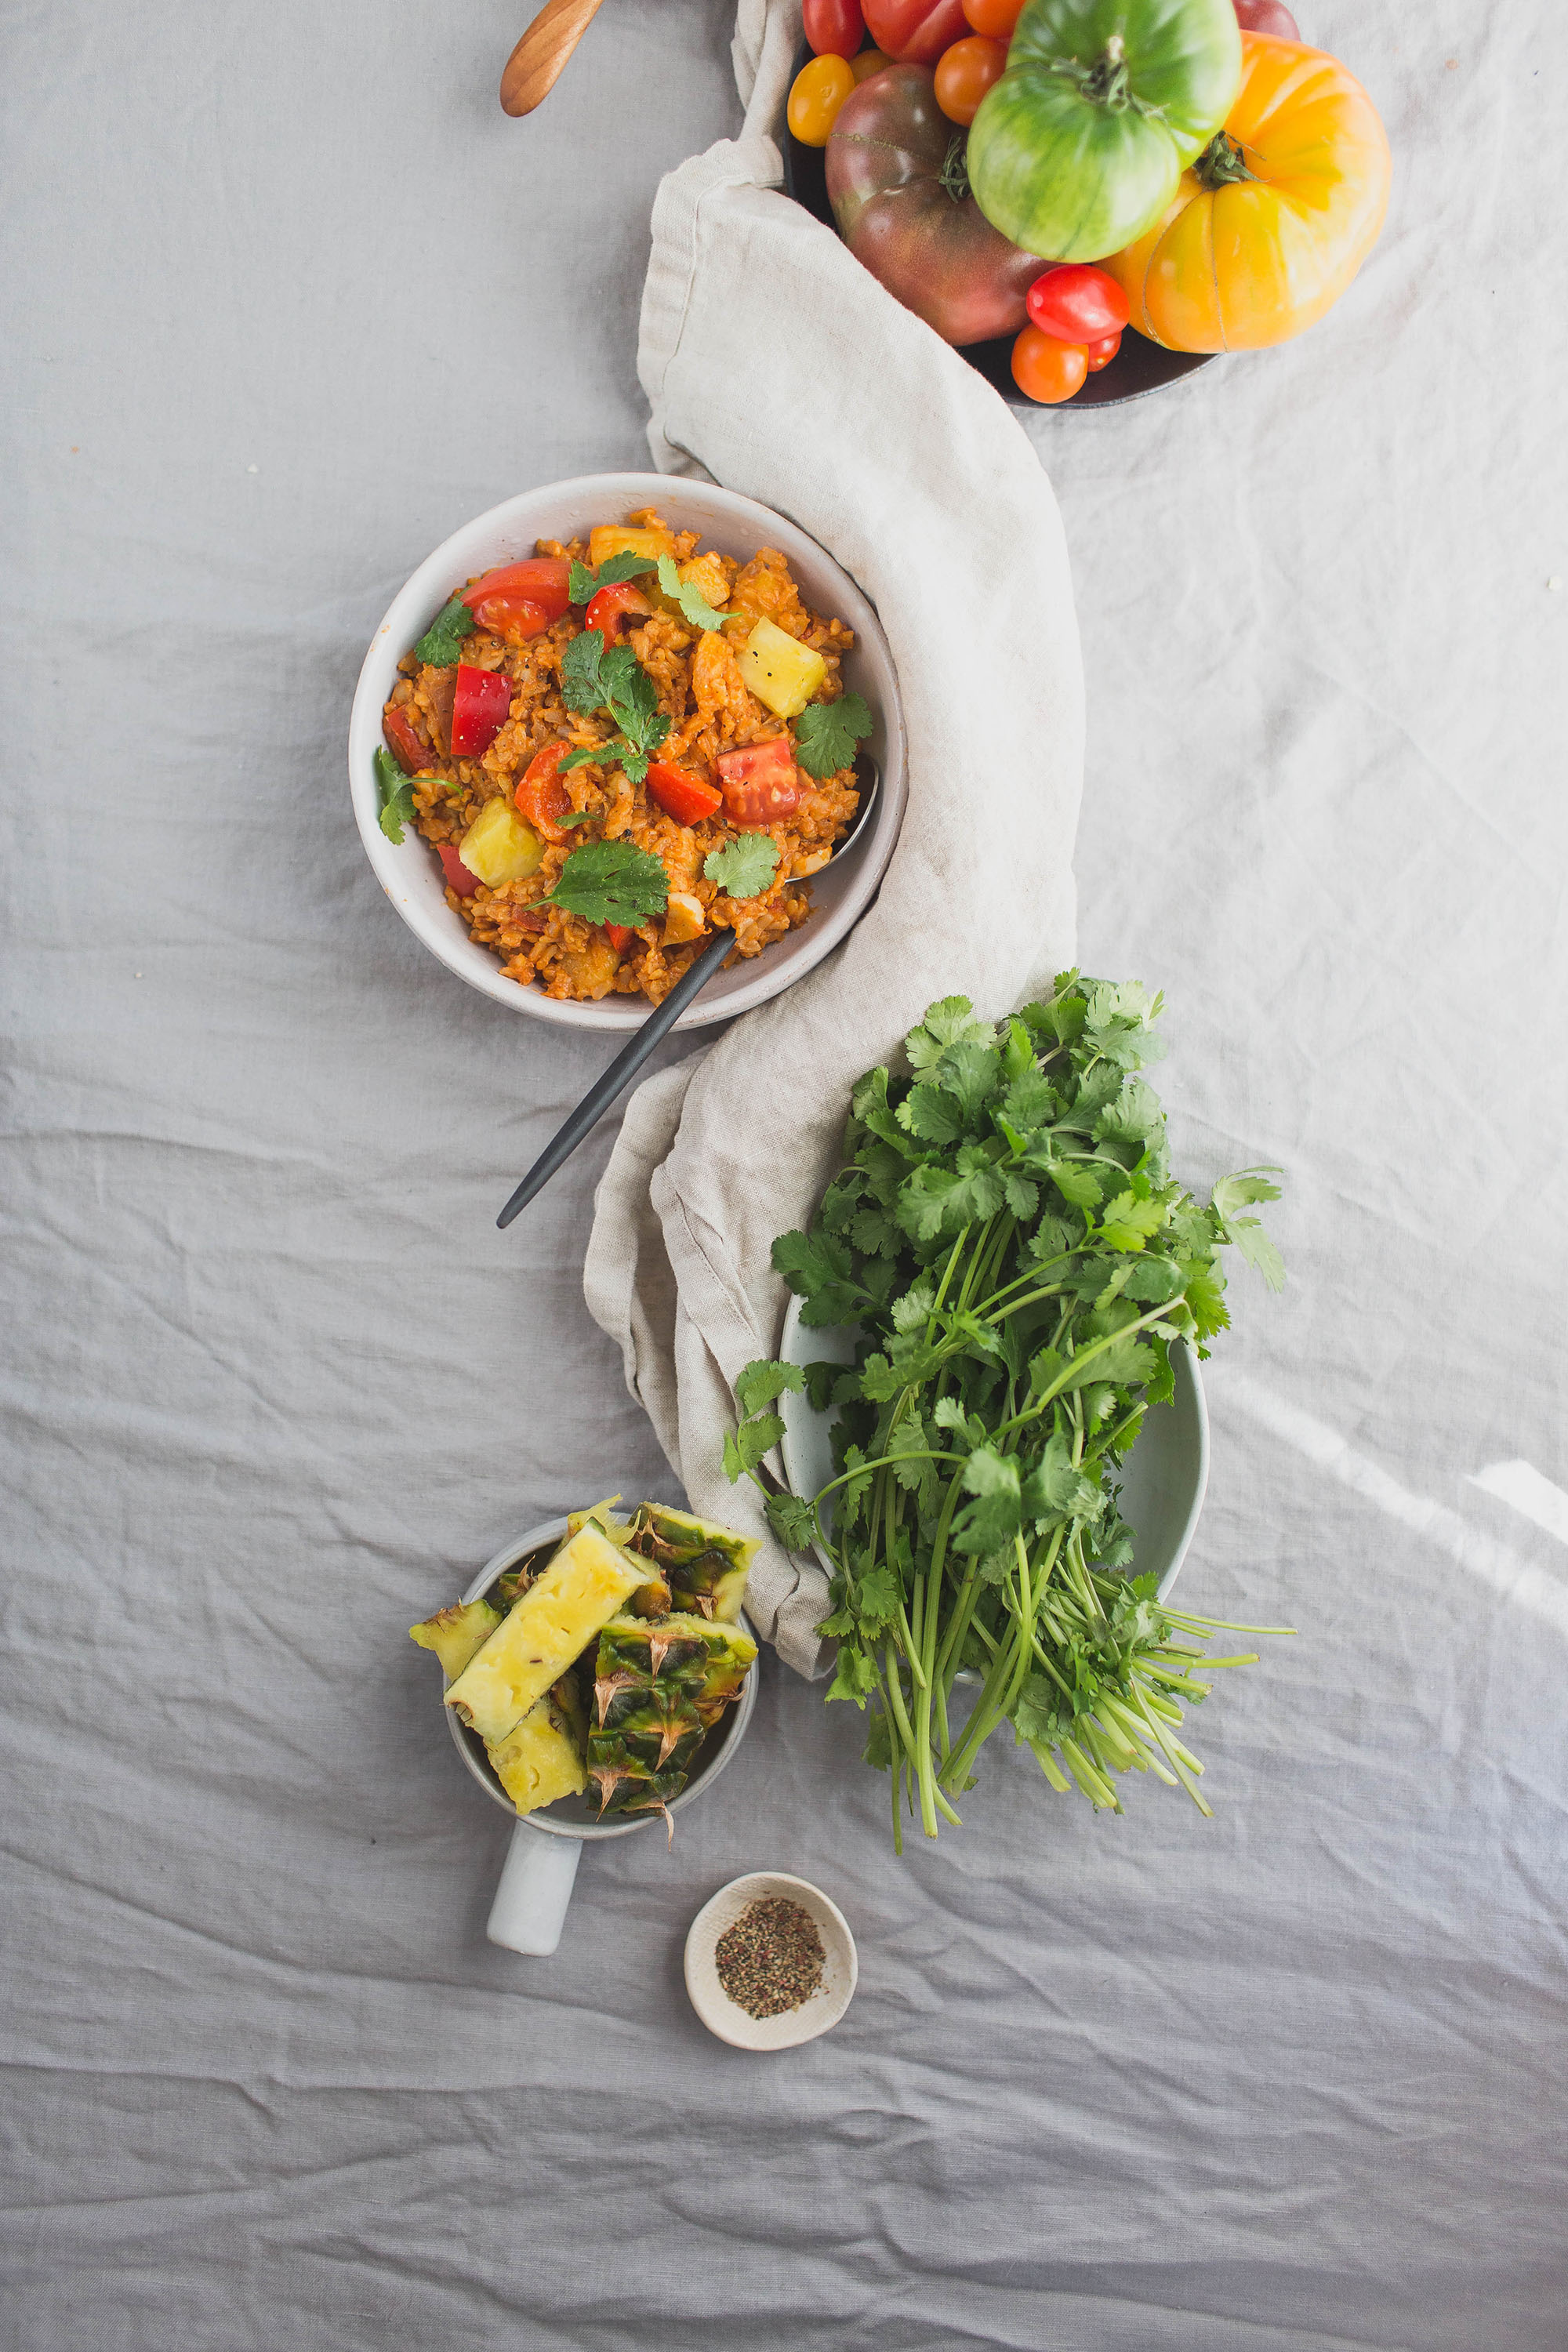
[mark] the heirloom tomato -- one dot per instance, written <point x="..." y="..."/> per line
<point x="1275" y="217"/>
<point x="915" y="32"/>
<point x="833" y="28"/>
<point x="1079" y="148"/>
<point x="902" y="208"/>
<point x="1270" y="16"/>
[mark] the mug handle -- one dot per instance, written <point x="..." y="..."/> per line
<point x="534" y="1889"/>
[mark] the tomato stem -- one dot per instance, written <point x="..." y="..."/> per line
<point x="1221" y="163"/>
<point x="955" y="167"/>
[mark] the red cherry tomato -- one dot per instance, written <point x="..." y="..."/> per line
<point x="459" y="878"/>
<point x="411" y="755"/>
<point x="1270" y="16"/>
<point x="608" y="607"/>
<point x="542" y="798"/>
<point x="1047" y="370"/>
<point x="619" y="937"/>
<point x="515" y="618"/>
<point x="915" y="32"/>
<point x="479" y="707"/>
<point x="1077" y="303"/>
<point x="685" y="797"/>
<point x="964" y="73"/>
<point x="1100" y="355"/>
<point x="759" y="783"/>
<point x="542" y="579"/>
<point x="835" y="28"/>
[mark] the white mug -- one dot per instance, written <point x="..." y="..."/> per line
<point x="535" y="1885"/>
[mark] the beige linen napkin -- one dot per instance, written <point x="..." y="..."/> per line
<point x="777" y="365"/>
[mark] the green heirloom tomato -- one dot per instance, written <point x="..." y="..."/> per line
<point x="1079" y="148"/>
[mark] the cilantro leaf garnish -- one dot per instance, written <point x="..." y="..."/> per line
<point x="581" y="689"/>
<point x="594" y="677"/>
<point x="612" y="882"/>
<point x="442" y="641"/>
<point x="1022" y="1267"/>
<point x="826" y="735"/>
<point x="693" y="604"/>
<point x="396" y="795"/>
<point x="585" y="584"/>
<point x="745" y="866"/>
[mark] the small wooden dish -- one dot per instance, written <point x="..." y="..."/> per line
<point x="724" y="2016"/>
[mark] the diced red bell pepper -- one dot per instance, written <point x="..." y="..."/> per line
<point x="457" y="874"/>
<point x="619" y="937"/>
<point x="513" y="618"/>
<point x="761" y="786"/>
<point x="542" y="800"/>
<point x="480" y="705"/>
<point x="542" y="580"/>
<point x="409" y="752"/>
<point x="685" y="797"/>
<point x="623" y="600"/>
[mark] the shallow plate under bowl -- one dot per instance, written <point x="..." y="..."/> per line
<point x="1163" y="1479"/>
<point x="409" y="873"/>
<point x="574" y="1817"/>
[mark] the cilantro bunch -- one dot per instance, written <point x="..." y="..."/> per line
<point x="1009" y="1238"/>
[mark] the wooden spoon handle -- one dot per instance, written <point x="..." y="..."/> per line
<point x="535" y="64"/>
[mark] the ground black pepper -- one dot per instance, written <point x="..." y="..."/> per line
<point x="771" y="1958"/>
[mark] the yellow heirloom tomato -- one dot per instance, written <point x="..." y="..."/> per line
<point x="1274" y="219"/>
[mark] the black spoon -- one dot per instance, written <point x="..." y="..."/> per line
<point x="660" y="1020"/>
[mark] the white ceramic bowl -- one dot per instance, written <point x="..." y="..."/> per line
<point x="736" y="526"/>
<point x="726" y="2017"/>
<point x="1163" y="1480"/>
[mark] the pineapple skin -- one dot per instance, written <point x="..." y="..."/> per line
<point x="539" y="1759"/>
<point x="456" y="1633"/>
<point x="705" y="1565"/>
<point x="587" y="1582"/>
<point x="661" y="1684"/>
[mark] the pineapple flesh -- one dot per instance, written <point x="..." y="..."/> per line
<point x="587" y="1582"/>
<point x="456" y="1633"/>
<point x="539" y="1759"/>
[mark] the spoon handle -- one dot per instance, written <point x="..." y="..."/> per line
<point x="535" y="64"/>
<point x="624" y="1066"/>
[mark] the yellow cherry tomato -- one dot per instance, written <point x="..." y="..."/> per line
<point x="1047" y="370"/>
<point x="820" y="90"/>
<point x="868" y="62"/>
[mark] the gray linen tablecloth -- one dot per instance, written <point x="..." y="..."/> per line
<point x="287" y="300"/>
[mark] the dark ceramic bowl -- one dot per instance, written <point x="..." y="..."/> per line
<point x="1139" y="367"/>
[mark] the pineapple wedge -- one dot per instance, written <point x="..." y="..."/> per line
<point x="780" y="670"/>
<point x="584" y="1586"/>
<point x="539" y="1760"/>
<point x="705" y="1565"/>
<point x="456" y="1633"/>
<point x="659" y="1688"/>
